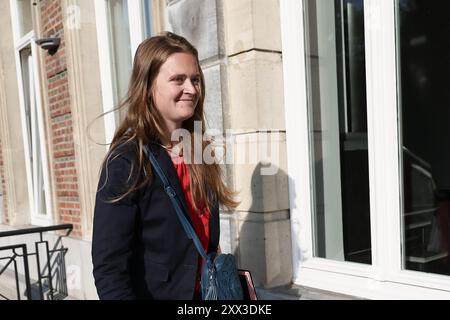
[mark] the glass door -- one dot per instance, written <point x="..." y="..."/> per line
<point x="424" y="64"/>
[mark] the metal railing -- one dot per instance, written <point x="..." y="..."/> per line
<point x="51" y="280"/>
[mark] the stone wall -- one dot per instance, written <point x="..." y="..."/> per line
<point x="4" y="218"/>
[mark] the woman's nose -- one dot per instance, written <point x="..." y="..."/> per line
<point x="189" y="87"/>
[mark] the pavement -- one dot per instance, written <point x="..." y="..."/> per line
<point x="289" y="292"/>
<point x="295" y="292"/>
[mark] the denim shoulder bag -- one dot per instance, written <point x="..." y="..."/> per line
<point x="220" y="277"/>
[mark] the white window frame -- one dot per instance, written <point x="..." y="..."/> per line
<point x="384" y="279"/>
<point x="19" y="44"/>
<point x="105" y="58"/>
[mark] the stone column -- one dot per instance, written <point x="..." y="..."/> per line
<point x="239" y="43"/>
<point x="256" y="113"/>
<point x="86" y="103"/>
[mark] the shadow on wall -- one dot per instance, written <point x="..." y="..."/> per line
<point x="264" y="234"/>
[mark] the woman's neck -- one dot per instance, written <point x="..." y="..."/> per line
<point x="171" y="127"/>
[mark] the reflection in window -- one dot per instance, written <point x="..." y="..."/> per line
<point x="24" y="15"/>
<point x="147" y="18"/>
<point x="32" y="128"/>
<point x="338" y="129"/>
<point x="120" y="45"/>
<point x="424" y="57"/>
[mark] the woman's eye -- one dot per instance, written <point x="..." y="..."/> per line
<point x="196" y="81"/>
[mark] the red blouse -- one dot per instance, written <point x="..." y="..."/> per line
<point x="200" y="218"/>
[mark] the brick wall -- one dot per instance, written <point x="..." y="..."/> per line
<point x="3" y="188"/>
<point x="65" y="173"/>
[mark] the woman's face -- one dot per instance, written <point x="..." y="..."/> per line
<point x="177" y="89"/>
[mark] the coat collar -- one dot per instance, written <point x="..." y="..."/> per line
<point x="168" y="168"/>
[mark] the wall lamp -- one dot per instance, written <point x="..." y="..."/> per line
<point x="49" y="44"/>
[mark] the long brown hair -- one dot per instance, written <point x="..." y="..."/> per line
<point x="143" y="123"/>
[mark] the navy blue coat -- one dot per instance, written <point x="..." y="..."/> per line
<point x="139" y="248"/>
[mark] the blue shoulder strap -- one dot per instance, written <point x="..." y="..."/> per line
<point x="177" y="204"/>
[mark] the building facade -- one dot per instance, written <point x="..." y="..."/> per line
<point x="335" y="110"/>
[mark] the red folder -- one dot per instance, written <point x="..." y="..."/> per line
<point x="247" y="285"/>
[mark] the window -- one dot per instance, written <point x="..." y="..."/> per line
<point x="338" y="129"/>
<point x="121" y="26"/>
<point x="147" y="18"/>
<point x="424" y="99"/>
<point x="396" y="132"/>
<point x="31" y="113"/>
<point x="33" y="131"/>
<point x="119" y="39"/>
<point x="25" y="21"/>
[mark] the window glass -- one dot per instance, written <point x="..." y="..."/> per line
<point x="120" y="44"/>
<point x="424" y="62"/>
<point x="337" y="108"/>
<point x="147" y="17"/>
<point x="34" y="139"/>
<point x="24" y="15"/>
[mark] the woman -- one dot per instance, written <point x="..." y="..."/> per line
<point x="139" y="248"/>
